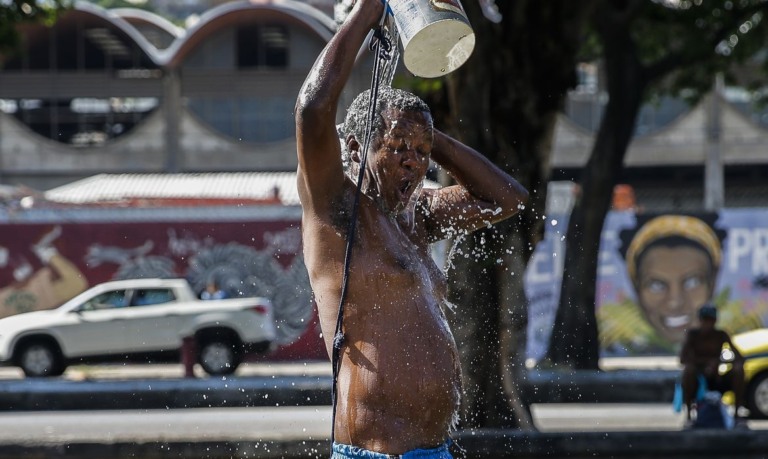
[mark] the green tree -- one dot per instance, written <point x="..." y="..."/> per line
<point x="16" y="12"/>
<point x="504" y="102"/>
<point x="647" y="47"/>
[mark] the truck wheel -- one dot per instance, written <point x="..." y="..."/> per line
<point x="38" y="359"/>
<point x="757" y="397"/>
<point x="218" y="356"/>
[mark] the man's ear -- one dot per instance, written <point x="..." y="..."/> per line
<point x="353" y="146"/>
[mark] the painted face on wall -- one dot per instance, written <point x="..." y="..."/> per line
<point x="673" y="263"/>
<point x="672" y="283"/>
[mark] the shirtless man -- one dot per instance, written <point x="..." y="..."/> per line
<point x="700" y="355"/>
<point x="399" y="380"/>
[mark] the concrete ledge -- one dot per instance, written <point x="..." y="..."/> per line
<point x="616" y="386"/>
<point x="619" y="386"/>
<point x="41" y="394"/>
<point x="691" y="444"/>
<point x="714" y="444"/>
<point x="286" y="449"/>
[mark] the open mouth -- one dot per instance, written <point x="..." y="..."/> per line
<point x="404" y="188"/>
<point x="676" y="321"/>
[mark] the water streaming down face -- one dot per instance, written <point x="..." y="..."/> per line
<point x="399" y="106"/>
<point x="409" y="213"/>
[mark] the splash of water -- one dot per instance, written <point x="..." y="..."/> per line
<point x="389" y="65"/>
<point x="409" y="213"/>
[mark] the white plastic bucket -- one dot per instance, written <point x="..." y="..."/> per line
<point x="436" y="35"/>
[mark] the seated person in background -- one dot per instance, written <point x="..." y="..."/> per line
<point x="213" y="292"/>
<point x="700" y="355"/>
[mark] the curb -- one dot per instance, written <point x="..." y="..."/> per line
<point x="617" y="386"/>
<point x="45" y="395"/>
<point x="714" y="444"/>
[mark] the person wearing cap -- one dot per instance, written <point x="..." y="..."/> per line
<point x="700" y="355"/>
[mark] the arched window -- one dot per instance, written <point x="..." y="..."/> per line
<point x="88" y="81"/>
<point x="253" y="105"/>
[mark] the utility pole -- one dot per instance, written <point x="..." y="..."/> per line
<point x="172" y="110"/>
<point x="714" y="190"/>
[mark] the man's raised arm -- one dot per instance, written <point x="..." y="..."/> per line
<point x="320" y="173"/>
<point x="484" y="195"/>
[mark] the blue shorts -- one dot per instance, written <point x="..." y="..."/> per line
<point x="342" y="451"/>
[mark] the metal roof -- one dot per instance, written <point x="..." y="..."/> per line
<point x="260" y="186"/>
<point x="224" y="185"/>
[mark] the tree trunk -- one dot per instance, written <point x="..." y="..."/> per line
<point x="504" y="103"/>
<point x="574" y="341"/>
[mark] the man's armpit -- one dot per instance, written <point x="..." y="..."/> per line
<point x="341" y="212"/>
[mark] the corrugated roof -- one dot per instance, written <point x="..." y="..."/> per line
<point x="239" y="185"/>
<point x="258" y="186"/>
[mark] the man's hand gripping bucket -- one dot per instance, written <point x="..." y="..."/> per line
<point x="436" y="35"/>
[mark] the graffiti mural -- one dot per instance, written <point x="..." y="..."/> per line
<point x="43" y="265"/>
<point x="654" y="271"/>
<point x="35" y="273"/>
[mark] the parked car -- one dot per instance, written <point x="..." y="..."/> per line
<point x="753" y="345"/>
<point x="138" y="320"/>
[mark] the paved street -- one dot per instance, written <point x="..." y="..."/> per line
<point x="312" y="422"/>
<point x="161" y="371"/>
<point x="168" y="425"/>
<point x="167" y="371"/>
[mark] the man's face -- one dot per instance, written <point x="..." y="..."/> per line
<point x="399" y="162"/>
<point x="673" y="283"/>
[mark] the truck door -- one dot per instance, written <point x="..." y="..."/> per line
<point x="98" y="326"/>
<point x="154" y="322"/>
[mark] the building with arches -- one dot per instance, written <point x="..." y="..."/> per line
<point x="124" y="90"/>
<point x="665" y="161"/>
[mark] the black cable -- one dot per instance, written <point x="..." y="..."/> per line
<point x="381" y="46"/>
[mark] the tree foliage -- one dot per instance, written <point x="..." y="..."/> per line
<point x="647" y="47"/>
<point x="16" y="12"/>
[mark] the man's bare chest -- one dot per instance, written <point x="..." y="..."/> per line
<point x="397" y="260"/>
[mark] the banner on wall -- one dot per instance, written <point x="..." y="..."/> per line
<point x="654" y="272"/>
<point x="256" y="252"/>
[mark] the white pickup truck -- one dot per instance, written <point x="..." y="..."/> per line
<point x="137" y="320"/>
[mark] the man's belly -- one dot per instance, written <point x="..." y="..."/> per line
<point x="399" y="383"/>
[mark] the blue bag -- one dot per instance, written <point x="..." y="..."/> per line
<point x="702" y="392"/>
<point x="677" y="399"/>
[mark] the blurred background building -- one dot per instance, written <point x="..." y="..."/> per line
<point x="209" y="86"/>
<point x="126" y="90"/>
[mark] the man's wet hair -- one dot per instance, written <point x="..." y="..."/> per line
<point x="357" y="114"/>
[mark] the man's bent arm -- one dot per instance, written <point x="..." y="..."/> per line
<point x="485" y="194"/>
<point x="320" y="169"/>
